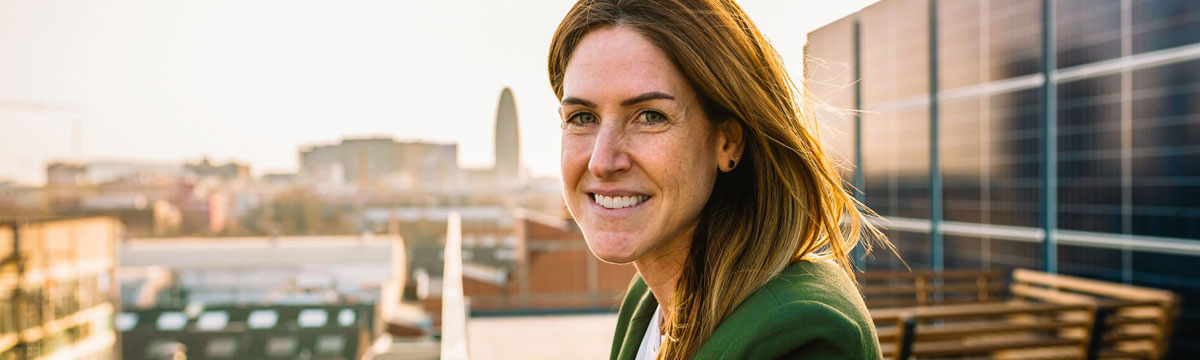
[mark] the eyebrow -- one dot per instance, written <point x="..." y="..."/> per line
<point x="653" y="95"/>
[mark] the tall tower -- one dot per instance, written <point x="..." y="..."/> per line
<point x="508" y="141"/>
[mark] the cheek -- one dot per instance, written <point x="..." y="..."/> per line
<point x="573" y="158"/>
<point x="681" y="166"/>
<point x="697" y="176"/>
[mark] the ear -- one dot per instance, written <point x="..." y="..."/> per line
<point x="730" y="144"/>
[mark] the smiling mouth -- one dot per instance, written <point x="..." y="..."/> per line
<point x="618" y="202"/>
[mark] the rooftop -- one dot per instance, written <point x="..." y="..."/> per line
<point x="575" y="337"/>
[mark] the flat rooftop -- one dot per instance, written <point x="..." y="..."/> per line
<point x="575" y="337"/>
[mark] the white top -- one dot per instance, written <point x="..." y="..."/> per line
<point x="652" y="339"/>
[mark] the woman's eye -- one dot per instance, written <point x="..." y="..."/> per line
<point x="582" y="119"/>
<point x="652" y="117"/>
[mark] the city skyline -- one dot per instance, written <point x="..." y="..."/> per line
<point x="280" y="179"/>
<point x="174" y="82"/>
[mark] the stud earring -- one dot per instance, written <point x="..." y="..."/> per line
<point x="732" y="163"/>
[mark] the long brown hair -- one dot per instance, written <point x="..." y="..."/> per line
<point x="784" y="202"/>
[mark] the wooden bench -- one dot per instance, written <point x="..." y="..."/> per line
<point x="1037" y="316"/>
<point x="925" y="287"/>
<point x="981" y="330"/>
<point x="1138" y="321"/>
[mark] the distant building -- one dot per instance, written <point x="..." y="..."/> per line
<point x="152" y="199"/>
<point x="552" y="269"/>
<point x="255" y="270"/>
<point x="508" y="139"/>
<point x="57" y="294"/>
<point x="65" y="173"/>
<point x="139" y="215"/>
<point x="986" y="151"/>
<point x="380" y="163"/>
<point x="16" y="196"/>
<point x="280" y="178"/>
<point x="100" y="172"/>
<point x="488" y="234"/>
<point x="230" y="171"/>
<point x="135" y="172"/>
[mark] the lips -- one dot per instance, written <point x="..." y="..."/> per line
<point x="618" y="202"/>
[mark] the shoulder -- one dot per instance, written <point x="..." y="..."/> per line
<point x="821" y="281"/>
<point x="811" y="309"/>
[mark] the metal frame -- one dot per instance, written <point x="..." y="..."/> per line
<point x="860" y="183"/>
<point x="936" y="240"/>
<point x="1151" y="244"/>
<point x="1049" y="203"/>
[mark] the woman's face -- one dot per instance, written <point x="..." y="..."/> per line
<point x="639" y="156"/>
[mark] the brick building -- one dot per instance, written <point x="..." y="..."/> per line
<point x="553" y="271"/>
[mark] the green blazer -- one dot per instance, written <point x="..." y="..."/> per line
<point x="809" y="311"/>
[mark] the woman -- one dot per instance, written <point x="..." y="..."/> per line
<point x="686" y="153"/>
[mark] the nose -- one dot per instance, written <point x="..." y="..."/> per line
<point x="609" y="156"/>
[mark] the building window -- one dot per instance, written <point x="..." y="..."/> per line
<point x="281" y="346"/>
<point x="311" y="318"/>
<point x="126" y="321"/>
<point x="263" y="319"/>
<point x="330" y="344"/>
<point x="212" y="320"/>
<point x="222" y="347"/>
<point x="346" y="317"/>
<point x="171" y="320"/>
<point x="164" y="349"/>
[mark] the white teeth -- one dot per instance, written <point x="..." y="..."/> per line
<point x="617" y="202"/>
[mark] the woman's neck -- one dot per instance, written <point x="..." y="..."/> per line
<point x="661" y="268"/>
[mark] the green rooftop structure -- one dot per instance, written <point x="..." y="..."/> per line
<point x="248" y="332"/>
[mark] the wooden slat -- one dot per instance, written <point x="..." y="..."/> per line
<point x="1063" y="354"/>
<point x="1047" y="295"/>
<point x="953" y="330"/>
<point x="971" y="288"/>
<point x="1056" y="353"/>
<point x="947" y="274"/>
<point x="1120" y="291"/>
<point x="974" y="310"/>
<point x="984" y="347"/>
<point x="894" y="303"/>
<point x="1120" y="354"/>
<point x="888" y="350"/>
<point x="941" y="332"/>
<point x="1128" y="337"/>
<point x="1128" y="320"/>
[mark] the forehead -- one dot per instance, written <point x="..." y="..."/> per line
<point x="620" y="62"/>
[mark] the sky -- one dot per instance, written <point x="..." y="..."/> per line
<point x="254" y="80"/>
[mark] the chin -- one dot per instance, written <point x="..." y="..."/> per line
<point x="612" y="248"/>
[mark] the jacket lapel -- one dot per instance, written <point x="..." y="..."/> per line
<point x="637" y="325"/>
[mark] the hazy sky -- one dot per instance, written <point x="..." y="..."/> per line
<point x="166" y="81"/>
